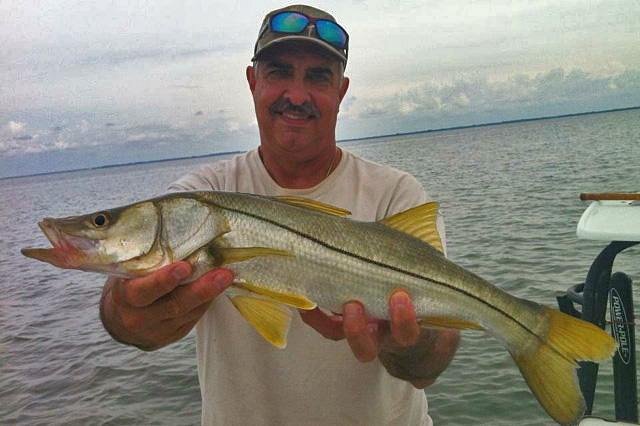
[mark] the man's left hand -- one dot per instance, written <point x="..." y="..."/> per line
<point x="406" y="350"/>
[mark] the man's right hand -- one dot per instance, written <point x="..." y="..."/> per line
<point x="155" y="310"/>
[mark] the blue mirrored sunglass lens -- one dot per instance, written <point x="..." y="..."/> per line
<point x="289" y="22"/>
<point x="331" y="33"/>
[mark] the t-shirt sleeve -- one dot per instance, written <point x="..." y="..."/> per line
<point x="204" y="179"/>
<point x="407" y="193"/>
<point x="410" y="193"/>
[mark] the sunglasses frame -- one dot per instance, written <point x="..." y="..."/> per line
<point x="311" y="20"/>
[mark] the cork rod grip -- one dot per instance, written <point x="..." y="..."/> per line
<point x="614" y="196"/>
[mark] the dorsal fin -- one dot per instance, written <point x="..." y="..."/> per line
<point x="313" y="205"/>
<point x="419" y="222"/>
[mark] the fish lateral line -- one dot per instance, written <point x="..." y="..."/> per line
<point x="374" y="262"/>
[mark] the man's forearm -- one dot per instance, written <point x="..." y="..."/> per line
<point x="422" y="363"/>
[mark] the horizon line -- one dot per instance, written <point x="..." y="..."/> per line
<point x="492" y="123"/>
<point x="216" y="154"/>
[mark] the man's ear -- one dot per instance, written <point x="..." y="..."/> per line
<point x="344" y="87"/>
<point x="251" y="77"/>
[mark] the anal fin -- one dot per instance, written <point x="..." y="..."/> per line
<point x="291" y="299"/>
<point x="269" y="318"/>
<point x="449" y="322"/>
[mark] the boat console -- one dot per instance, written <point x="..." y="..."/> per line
<point x="613" y="218"/>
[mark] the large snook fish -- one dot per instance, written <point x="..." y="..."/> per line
<point x="293" y="252"/>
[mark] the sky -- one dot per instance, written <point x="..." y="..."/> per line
<point x="90" y="83"/>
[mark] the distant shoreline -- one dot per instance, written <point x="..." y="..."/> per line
<point x="495" y="123"/>
<point x="133" y="163"/>
<point x="417" y="132"/>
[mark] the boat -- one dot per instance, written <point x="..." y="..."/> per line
<point x="613" y="218"/>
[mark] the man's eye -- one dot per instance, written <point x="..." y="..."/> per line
<point x="319" y="77"/>
<point x="279" y="73"/>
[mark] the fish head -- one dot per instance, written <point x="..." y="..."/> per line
<point x="106" y="241"/>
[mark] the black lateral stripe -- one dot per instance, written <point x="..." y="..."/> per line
<point x="382" y="265"/>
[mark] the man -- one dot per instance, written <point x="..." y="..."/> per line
<point x="297" y="84"/>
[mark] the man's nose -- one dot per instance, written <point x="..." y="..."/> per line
<point x="297" y="93"/>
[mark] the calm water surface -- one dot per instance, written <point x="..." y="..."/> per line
<point x="509" y="196"/>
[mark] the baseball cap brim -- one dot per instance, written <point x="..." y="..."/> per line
<point x="288" y="38"/>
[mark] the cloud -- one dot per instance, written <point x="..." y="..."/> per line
<point x="478" y="99"/>
<point x="14" y="139"/>
<point x="15" y="127"/>
<point x="126" y="55"/>
<point x="178" y="136"/>
<point x="148" y="137"/>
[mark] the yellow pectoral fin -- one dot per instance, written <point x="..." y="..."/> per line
<point x="290" y="299"/>
<point x="449" y="322"/>
<point x="270" y="319"/>
<point x="313" y="205"/>
<point x="228" y="255"/>
<point x="419" y="222"/>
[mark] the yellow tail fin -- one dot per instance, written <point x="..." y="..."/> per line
<point x="549" y="369"/>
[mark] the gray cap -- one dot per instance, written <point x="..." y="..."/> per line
<point x="268" y="38"/>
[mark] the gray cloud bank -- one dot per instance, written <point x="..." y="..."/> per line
<point x="30" y="146"/>
<point x="476" y="100"/>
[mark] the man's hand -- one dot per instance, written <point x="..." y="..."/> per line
<point x="407" y="351"/>
<point x="152" y="311"/>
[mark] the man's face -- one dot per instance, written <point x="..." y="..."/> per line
<point x="297" y="95"/>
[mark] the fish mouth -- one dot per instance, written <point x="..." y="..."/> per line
<point x="67" y="252"/>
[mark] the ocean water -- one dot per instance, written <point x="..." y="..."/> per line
<point x="509" y="194"/>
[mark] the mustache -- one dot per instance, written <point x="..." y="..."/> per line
<point x="284" y="105"/>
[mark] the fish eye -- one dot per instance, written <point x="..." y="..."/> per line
<point x="100" y="219"/>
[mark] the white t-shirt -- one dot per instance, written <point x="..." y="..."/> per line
<point x="314" y="381"/>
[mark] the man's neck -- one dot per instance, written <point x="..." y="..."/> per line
<point x="292" y="173"/>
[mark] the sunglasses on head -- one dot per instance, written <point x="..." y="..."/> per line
<point x="296" y="22"/>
